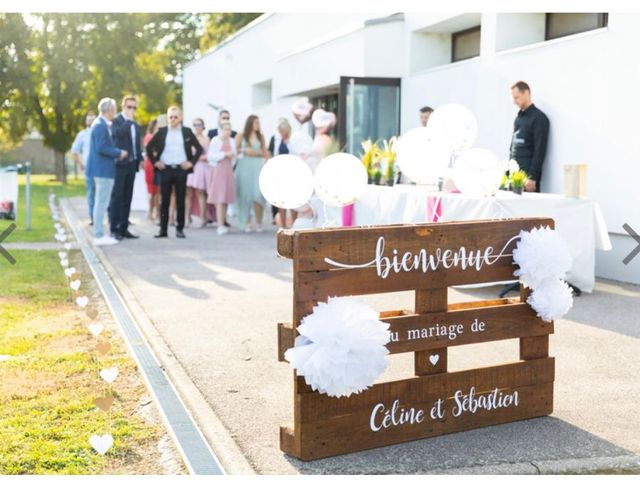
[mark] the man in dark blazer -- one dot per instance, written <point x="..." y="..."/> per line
<point x="223" y="117"/>
<point x="126" y="136"/>
<point x="173" y="150"/>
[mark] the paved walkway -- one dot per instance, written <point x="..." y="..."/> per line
<point x="216" y="301"/>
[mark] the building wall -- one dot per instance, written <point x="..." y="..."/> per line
<point x="583" y="82"/>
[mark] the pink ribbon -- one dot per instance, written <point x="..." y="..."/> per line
<point x="434" y="208"/>
<point x="347" y="215"/>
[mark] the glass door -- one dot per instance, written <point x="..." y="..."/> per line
<point x="369" y="108"/>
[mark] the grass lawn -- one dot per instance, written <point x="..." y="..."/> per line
<point x="41" y="222"/>
<point x="49" y="370"/>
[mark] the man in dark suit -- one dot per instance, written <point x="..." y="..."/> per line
<point x="126" y="136"/>
<point x="223" y="117"/>
<point x="530" y="136"/>
<point x="173" y="150"/>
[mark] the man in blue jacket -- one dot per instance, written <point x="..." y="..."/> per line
<point x="101" y="165"/>
<point x="126" y="136"/>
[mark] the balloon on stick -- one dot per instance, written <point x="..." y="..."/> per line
<point x="286" y="181"/>
<point x="340" y="179"/>
<point x="422" y="155"/>
<point x="478" y="172"/>
<point x="456" y="125"/>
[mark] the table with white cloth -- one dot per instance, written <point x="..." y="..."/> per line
<point x="579" y="221"/>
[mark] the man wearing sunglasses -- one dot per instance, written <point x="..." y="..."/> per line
<point x="126" y="136"/>
<point x="173" y="150"/>
<point x="223" y="117"/>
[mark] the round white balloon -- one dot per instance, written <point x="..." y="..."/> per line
<point x="456" y="125"/>
<point x="422" y="155"/>
<point x="286" y="181"/>
<point x="478" y="172"/>
<point x="340" y="179"/>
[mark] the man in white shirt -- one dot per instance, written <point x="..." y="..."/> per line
<point x="173" y="150"/>
<point x="80" y="149"/>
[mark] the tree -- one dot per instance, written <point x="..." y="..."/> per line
<point x="220" y="25"/>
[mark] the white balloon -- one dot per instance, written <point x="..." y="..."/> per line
<point x="422" y="156"/>
<point x="286" y="181"/>
<point x="340" y="179"/>
<point x="456" y="125"/>
<point x="478" y="172"/>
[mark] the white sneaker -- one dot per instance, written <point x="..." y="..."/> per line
<point x="247" y="229"/>
<point x="105" y="240"/>
<point x="223" y="230"/>
<point x="259" y="229"/>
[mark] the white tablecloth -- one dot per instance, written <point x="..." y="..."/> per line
<point x="579" y="221"/>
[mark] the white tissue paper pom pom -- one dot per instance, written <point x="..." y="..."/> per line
<point x="341" y="348"/>
<point x="552" y="300"/>
<point x="542" y="255"/>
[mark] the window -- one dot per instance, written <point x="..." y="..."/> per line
<point x="563" y="24"/>
<point x="261" y="94"/>
<point x="465" y="44"/>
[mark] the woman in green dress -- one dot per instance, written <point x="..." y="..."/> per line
<point x="252" y="153"/>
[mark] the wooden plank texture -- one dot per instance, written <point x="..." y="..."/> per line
<point x="333" y="426"/>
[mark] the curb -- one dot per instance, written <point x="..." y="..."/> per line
<point x="214" y="431"/>
<point x="627" y="464"/>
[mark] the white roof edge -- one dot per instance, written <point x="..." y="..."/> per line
<point x="232" y="37"/>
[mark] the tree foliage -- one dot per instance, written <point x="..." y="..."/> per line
<point x="220" y="25"/>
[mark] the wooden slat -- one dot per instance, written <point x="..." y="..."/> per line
<point x="504" y="321"/>
<point x="286" y="338"/>
<point x="357" y="245"/>
<point x="414" y="389"/>
<point x="335" y="426"/>
<point x="363" y="281"/>
<point x="534" y="347"/>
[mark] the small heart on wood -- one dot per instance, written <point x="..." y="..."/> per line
<point x="69" y="271"/>
<point x="103" y="347"/>
<point x="109" y="374"/>
<point x="82" y="301"/>
<point x="96" y="329"/>
<point x="434" y="359"/>
<point x="104" y="403"/>
<point x="62" y="255"/>
<point x="64" y="262"/>
<point x="75" y="285"/>
<point x="101" y="444"/>
<point x="92" y="313"/>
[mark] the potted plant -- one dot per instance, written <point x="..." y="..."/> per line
<point x="518" y="180"/>
<point x="380" y="162"/>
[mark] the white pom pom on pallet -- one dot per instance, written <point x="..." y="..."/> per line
<point x="430" y="401"/>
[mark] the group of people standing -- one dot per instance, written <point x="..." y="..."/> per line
<point x="185" y="167"/>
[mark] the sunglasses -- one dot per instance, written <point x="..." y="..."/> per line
<point x="173" y="117"/>
<point x="225" y="118"/>
<point x="197" y="125"/>
<point x="131" y="107"/>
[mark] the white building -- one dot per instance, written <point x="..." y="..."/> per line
<point x="376" y="73"/>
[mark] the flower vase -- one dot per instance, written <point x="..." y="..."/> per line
<point x="516" y="190"/>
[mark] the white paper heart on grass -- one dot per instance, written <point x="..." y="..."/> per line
<point x="109" y="374"/>
<point x="96" y="329"/>
<point x="82" y="301"/>
<point x="60" y="237"/>
<point x="101" y="443"/>
<point x="57" y="225"/>
<point x="434" y="359"/>
<point x="62" y="255"/>
<point x="67" y="245"/>
<point x="55" y="216"/>
<point x="75" y="285"/>
<point x="69" y="271"/>
<point x="64" y="262"/>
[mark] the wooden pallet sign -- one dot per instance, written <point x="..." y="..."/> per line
<point x="426" y="258"/>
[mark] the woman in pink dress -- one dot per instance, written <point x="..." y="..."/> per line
<point x="197" y="181"/>
<point x="221" y="190"/>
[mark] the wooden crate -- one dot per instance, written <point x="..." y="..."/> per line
<point x="432" y="400"/>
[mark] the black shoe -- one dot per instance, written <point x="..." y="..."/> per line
<point x="161" y="235"/>
<point x="180" y="234"/>
<point x="226" y="224"/>
<point x="128" y="234"/>
<point x="91" y="223"/>
<point x="117" y="235"/>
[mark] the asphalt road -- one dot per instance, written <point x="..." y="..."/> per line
<point x="216" y="302"/>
